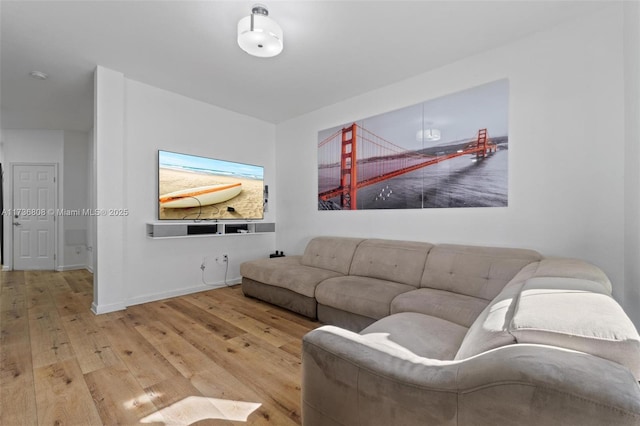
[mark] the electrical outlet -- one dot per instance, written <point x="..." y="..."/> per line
<point x="225" y="258"/>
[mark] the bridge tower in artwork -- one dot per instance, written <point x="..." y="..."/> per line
<point x="348" y="169"/>
<point x="481" y="144"/>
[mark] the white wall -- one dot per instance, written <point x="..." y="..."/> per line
<point x="632" y="158"/>
<point x="109" y="286"/>
<point x="157" y="119"/>
<point x="566" y="152"/>
<point x="91" y="198"/>
<point x="75" y="199"/>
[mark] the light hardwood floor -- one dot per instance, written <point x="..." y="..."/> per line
<point x="206" y="358"/>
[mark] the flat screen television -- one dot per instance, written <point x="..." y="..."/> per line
<point x="192" y="187"/>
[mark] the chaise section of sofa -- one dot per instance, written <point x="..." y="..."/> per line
<point x="290" y="282"/>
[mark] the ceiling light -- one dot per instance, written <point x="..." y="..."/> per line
<point x="39" y="75"/>
<point x="430" y="135"/>
<point x="259" y="35"/>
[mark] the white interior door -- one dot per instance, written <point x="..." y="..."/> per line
<point x="33" y="216"/>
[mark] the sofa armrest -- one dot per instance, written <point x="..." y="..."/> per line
<point x="527" y="384"/>
<point x="349" y="379"/>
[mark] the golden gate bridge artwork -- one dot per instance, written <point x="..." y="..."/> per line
<point x="354" y="158"/>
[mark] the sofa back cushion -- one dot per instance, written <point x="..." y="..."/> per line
<point x="576" y="314"/>
<point x="399" y="261"/>
<point x="331" y="253"/>
<point x="475" y="271"/>
<point x="490" y="329"/>
<point x="573" y="268"/>
<point x="565" y="279"/>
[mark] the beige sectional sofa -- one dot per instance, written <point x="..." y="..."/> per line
<point x="424" y="334"/>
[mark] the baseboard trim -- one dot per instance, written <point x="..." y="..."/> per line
<point x="180" y="292"/>
<point x="105" y="309"/>
<point x="6" y="268"/>
<point x="70" y="268"/>
<point x="139" y="300"/>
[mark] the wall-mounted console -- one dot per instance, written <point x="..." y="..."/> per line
<point x="175" y="230"/>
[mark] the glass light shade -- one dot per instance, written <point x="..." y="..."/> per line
<point x="264" y="40"/>
<point x="430" y="135"/>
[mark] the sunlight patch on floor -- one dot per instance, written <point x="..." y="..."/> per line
<point x="143" y="399"/>
<point x="195" y="408"/>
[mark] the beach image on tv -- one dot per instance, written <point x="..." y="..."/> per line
<point x="192" y="188"/>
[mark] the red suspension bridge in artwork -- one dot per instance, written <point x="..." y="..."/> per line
<point x="365" y="159"/>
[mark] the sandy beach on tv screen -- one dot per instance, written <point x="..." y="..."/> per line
<point x="247" y="204"/>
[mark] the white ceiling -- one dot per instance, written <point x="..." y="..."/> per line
<point x="333" y="50"/>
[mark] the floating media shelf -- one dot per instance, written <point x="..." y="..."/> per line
<point x="179" y="230"/>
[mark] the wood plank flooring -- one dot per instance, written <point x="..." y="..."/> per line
<point x="214" y="357"/>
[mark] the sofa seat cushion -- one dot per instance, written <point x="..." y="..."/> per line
<point x="457" y="308"/>
<point x="572" y="318"/>
<point x="369" y="297"/>
<point x="286" y="272"/>
<point x="422" y="335"/>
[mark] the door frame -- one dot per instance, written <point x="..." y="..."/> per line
<point x="8" y="226"/>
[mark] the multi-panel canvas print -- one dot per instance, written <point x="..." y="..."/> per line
<point x="446" y="152"/>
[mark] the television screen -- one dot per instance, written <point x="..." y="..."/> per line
<point x="199" y="188"/>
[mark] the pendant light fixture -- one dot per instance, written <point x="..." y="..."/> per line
<point x="259" y="35"/>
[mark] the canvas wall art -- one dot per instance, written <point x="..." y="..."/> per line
<point x="446" y="152"/>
